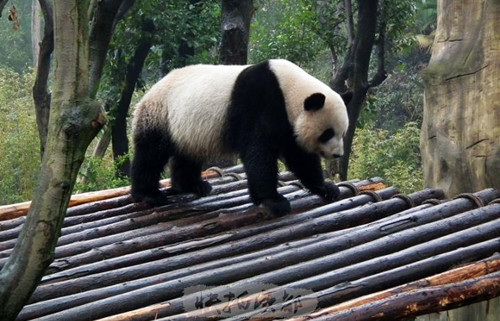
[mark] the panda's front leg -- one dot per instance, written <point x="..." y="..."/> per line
<point x="307" y="167"/>
<point x="262" y="173"/>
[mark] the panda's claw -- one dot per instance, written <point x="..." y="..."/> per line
<point x="278" y="206"/>
<point x="204" y="188"/>
<point x="331" y="192"/>
<point x="154" y="199"/>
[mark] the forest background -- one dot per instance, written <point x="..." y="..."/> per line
<point x="170" y="34"/>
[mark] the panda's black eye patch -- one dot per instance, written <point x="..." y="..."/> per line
<point x="326" y="135"/>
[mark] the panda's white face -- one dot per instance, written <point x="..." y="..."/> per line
<point x="318" y="114"/>
<point x="321" y="126"/>
<point x="330" y="145"/>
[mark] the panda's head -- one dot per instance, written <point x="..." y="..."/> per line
<point x="322" y="124"/>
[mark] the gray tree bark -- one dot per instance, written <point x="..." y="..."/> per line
<point x="233" y="50"/>
<point x="74" y="121"/>
<point x="460" y="140"/>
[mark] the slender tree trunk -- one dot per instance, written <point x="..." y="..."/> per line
<point x="355" y="67"/>
<point x="36" y="30"/>
<point x="2" y="5"/>
<point x="102" y="29"/>
<point x="119" y="126"/>
<point x="74" y="121"/>
<point x="41" y="93"/>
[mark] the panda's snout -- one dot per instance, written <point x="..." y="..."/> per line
<point x="328" y="156"/>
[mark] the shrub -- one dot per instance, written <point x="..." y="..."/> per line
<point x="19" y="142"/>
<point x="100" y="174"/>
<point x="396" y="158"/>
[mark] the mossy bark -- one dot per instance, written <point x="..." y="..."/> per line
<point x="460" y="139"/>
<point x="74" y="120"/>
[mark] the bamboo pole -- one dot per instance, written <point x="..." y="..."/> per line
<point x="470" y="271"/>
<point x="474" y="236"/>
<point x="346" y="267"/>
<point x="162" y="239"/>
<point x="129" y="217"/>
<point x="423" y="301"/>
<point x="360" y="279"/>
<point x="243" y="240"/>
<point x="155" y="311"/>
<point x="8" y="212"/>
<point x="265" y="263"/>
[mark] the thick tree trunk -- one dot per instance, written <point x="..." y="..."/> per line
<point x="237" y="15"/>
<point x="74" y="121"/>
<point x="233" y="50"/>
<point x="460" y="134"/>
<point x="461" y="127"/>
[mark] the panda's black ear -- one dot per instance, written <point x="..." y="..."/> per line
<point x="346" y="97"/>
<point x="314" y="102"/>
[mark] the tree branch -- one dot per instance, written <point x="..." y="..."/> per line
<point x="122" y="10"/>
<point x="338" y="83"/>
<point x="381" y="74"/>
<point x="350" y="22"/>
<point x="100" y="36"/>
<point x="2" y="5"/>
<point x="41" y="94"/>
<point x="134" y="68"/>
<point x="363" y="45"/>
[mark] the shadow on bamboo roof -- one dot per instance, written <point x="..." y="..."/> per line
<point x="373" y="255"/>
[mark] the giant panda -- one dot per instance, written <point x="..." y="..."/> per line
<point x="261" y="112"/>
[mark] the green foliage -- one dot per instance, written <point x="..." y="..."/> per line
<point x="101" y="174"/>
<point x="19" y="142"/>
<point x="15" y="47"/>
<point x="397" y="101"/>
<point x="285" y="29"/>
<point x="179" y="25"/>
<point x="395" y="157"/>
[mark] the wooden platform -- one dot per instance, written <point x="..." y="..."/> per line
<point x="373" y="255"/>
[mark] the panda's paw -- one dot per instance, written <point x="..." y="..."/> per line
<point x="330" y="192"/>
<point x="204" y="188"/>
<point x="278" y="206"/>
<point x="152" y="199"/>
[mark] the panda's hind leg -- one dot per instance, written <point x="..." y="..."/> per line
<point x="186" y="176"/>
<point x="152" y="151"/>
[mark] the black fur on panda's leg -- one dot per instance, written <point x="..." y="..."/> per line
<point x="186" y="177"/>
<point x="150" y="157"/>
<point x="262" y="174"/>
<point x="307" y="167"/>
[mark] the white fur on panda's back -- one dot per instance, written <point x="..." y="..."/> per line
<point x="194" y="101"/>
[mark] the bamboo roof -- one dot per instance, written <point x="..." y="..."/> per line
<point x="373" y="255"/>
